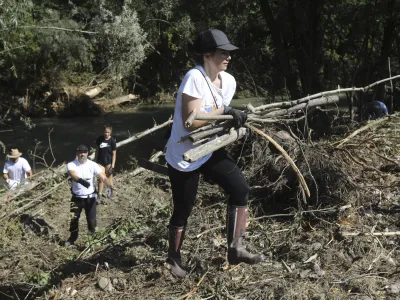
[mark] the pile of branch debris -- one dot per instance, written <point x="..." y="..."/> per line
<point x="334" y="240"/>
<point x="78" y="102"/>
<point x="307" y="197"/>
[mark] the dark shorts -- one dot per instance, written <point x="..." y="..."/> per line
<point x="104" y="162"/>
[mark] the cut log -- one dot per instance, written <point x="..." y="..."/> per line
<point x="201" y="151"/>
<point x="205" y="117"/>
<point x="202" y="129"/>
<point x="94" y="92"/>
<point x="214" y="118"/>
<point x="115" y="101"/>
<point x="201" y="135"/>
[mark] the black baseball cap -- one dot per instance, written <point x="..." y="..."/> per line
<point x="82" y="148"/>
<point x="212" y="39"/>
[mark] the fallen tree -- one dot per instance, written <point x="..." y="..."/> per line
<point x="94" y="91"/>
<point x="116" y="101"/>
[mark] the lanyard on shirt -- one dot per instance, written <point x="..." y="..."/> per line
<point x="214" y="98"/>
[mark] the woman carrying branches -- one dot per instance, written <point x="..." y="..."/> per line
<point x="208" y="89"/>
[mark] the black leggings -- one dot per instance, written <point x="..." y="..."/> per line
<point x="221" y="169"/>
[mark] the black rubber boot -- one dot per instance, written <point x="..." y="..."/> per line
<point x="72" y="239"/>
<point x="236" y="230"/>
<point x="176" y="236"/>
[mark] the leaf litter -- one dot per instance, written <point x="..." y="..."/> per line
<point x="355" y="189"/>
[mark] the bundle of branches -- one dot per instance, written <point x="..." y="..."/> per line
<point x="334" y="180"/>
<point x="328" y="172"/>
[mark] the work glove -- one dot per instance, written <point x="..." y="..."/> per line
<point x="239" y="117"/>
<point x="84" y="183"/>
<point x="111" y="170"/>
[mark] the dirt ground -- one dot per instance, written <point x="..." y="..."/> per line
<point x="355" y="190"/>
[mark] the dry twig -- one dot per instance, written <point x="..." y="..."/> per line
<point x="286" y="156"/>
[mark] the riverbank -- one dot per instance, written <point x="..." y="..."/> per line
<point x="308" y="254"/>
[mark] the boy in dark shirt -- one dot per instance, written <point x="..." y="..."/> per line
<point x="106" y="156"/>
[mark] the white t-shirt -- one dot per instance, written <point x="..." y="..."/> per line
<point x="17" y="170"/>
<point x="86" y="171"/>
<point x="194" y="84"/>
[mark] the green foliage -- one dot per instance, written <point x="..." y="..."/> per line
<point x="41" y="278"/>
<point x="144" y="45"/>
<point x="46" y="44"/>
<point x="121" y="44"/>
<point x="114" y="233"/>
<point x="17" y="48"/>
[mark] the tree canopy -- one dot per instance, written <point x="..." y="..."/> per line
<point x="290" y="48"/>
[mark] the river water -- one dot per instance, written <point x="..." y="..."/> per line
<point x="67" y="133"/>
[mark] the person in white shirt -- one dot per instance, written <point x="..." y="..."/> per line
<point x="16" y="169"/>
<point x="208" y="89"/>
<point x="83" y="172"/>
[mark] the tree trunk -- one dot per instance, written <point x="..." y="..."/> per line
<point x="282" y="49"/>
<point x="389" y="35"/>
<point x="308" y="32"/>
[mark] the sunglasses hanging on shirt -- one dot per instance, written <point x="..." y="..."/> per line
<point x="214" y="97"/>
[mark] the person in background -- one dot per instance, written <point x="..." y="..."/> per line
<point x="375" y="110"/>
<point x="16" y="169"/>
<point x="208" y="89"/>
<point x="106" y="156"/>
<point x="82" y="172"/>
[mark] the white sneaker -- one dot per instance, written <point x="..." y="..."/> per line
<point x="109" y="192"/>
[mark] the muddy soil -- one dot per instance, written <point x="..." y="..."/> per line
<point x="308" y="255"/>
